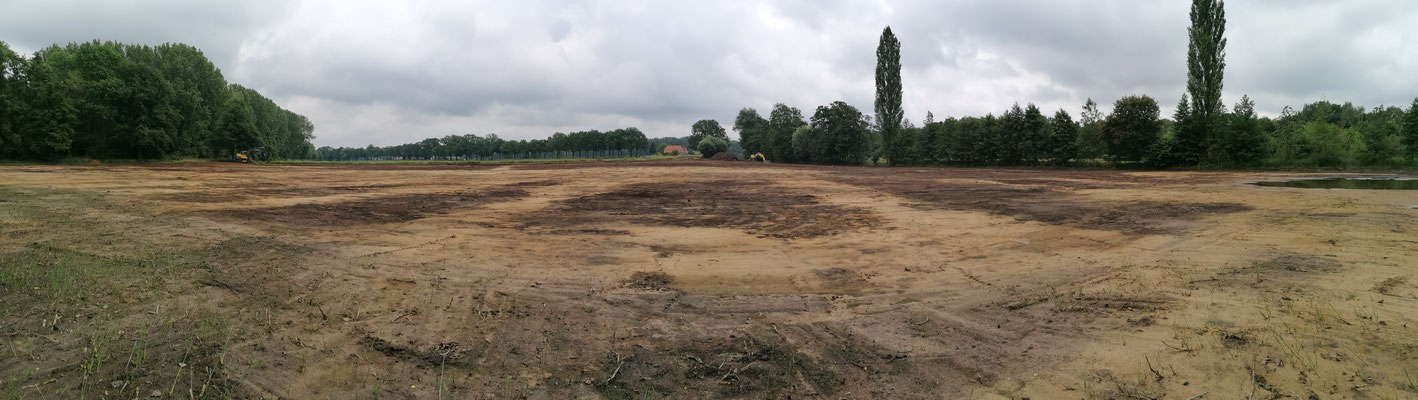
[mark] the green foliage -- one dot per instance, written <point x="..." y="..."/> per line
<point x="889" y="114"/>
<point x="112" y="100"/>
<point x="1328" y="145"/>
<point x="1410" y="132"/>
<point x="711" y="145"/>
<point x="1062" y="140"/>
<point x="1163" y="153"/>
<point x="806" y="143"/>
<point x="782" y="123"/>
<point x="754" y="131"/>
<point x="706" y="128"/>
<point x="1090" y="133"/>
<point x="1131" y="128"/>
<point x="838" y="135"/>
<point x="1206" y="64"/>
<point x="1189" y="142"/>
<point x="1241" y="141"/>
<point x="619" y="142"/>
<point x="1034" y="142"/>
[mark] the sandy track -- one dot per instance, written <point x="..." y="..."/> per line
<point x="836" y="282"/>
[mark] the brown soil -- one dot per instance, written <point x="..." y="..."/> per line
<point x="636" y="280"/>
<point x="379" y="210"/>
<point x="756" y="207"/>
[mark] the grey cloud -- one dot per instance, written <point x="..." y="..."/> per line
<point x="393" y="72"/>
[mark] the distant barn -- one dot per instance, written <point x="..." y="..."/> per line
<point x="671" y="149"/>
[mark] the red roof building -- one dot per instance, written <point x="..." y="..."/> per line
<point x="671" y="149"/>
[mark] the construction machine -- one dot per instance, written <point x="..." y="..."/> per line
<point x="758" y="157"/>
<point x="250" y="155"/>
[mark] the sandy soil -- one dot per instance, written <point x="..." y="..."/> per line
<point x="711" y="279"/>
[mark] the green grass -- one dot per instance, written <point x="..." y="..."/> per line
<point x="114" y="277"/>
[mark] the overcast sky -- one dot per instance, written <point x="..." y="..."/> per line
<point x="390" y="72"/>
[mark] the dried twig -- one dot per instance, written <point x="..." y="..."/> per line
<point x="1154" y="370"/>
<point x="1203" y="394"/>
<point x="618" y="363"/>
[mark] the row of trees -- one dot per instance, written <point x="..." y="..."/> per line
<point x="113" y="100"/>
<point x="1320" y="134"/>
<point x="473" y="146"/>
<point x="1201" y="130"/>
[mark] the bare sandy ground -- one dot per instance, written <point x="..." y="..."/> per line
<point x="711" y="279"/>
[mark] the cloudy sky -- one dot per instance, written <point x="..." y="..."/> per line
<point x="389" y="72"/>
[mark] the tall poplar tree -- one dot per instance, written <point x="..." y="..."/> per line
<point x="1206" y="62"/>
<point x="888" y="93"/>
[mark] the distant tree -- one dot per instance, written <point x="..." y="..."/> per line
<point x="1241" y="141"/>
<point x="783" y="121"/>
<point x="706" y="128"/>
<point x="806" y="144"/>
<point x="840" y="135"/>
<point x="1188" y="145"/>
<point x="1206" y="63"/>
<point x="1410" y="132"/>
<point x="1090" y="133"/>
<point x="11" y="101"/>
<point x="889" y="114"/>
<point x="1034" y="144"/>
<point x="1063" y="133"/>
<point x="1132" y="128"/>
<point x="711" y="145"/>
<point x="1007" y="146"/>
<point x="1328" y="145"/>
<point x="754" y="131"/>
<point x="238" y="127"/>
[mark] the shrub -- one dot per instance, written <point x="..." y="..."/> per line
<point x="709" y="146"/>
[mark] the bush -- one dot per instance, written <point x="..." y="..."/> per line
<point x="709" y="146"/>
<point x="1132" y="128"/>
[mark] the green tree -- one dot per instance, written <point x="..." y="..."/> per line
<point x="783" y="121"/>
<point x="1007" y="145"/>
<point x="237" y="129"/>
<point x="1241" y="141"/>
<point x="1034" y="144"/>
<point x="1206" y="63"/>
<point x="709" y="146"/>
<point x="706" y="128"/>
<point x="753" y="131"/>
<point x="1188" y="145"/>
<point x="1063" y="133"/>
<point x="889" y="114"/>
<point x="1132" y="128"/>
<point x="839" y="135"/>
<point x="1090" y="133"/>
<point x="11" y="100"/>
<point x="1410" y="132"/>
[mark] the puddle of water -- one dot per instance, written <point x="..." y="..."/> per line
<point x="1347" y="183"/>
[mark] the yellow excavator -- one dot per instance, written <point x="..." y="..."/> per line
<point x="758" y="157"/>
<point x="246" y="157"/>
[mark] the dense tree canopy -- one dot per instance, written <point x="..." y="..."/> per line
<point x="706" y="128"/>
<point x="1132" y="128"/>
<point x="783" y="121"/>
<point x="838" y="135"/>
<point x="113" y="100"/>
<point x="592" y="143"/>
<point x="754" y="131"/>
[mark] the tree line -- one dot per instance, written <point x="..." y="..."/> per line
<point x="470" y="146"/>
<point x="1201" y="131"/>
<point x="112" y="100"/>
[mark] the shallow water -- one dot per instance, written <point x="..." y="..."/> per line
<point x="1347" y="183"/>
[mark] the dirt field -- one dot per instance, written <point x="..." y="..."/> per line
<point x="700" y="279"/>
